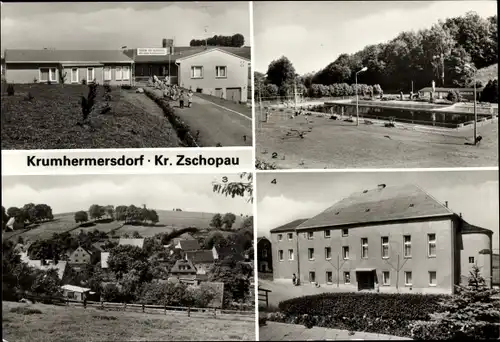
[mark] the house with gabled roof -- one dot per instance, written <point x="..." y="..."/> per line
<point x="68" y="66"/>
<point x="131" y="242"/>
<point x="62" y="267"/>
<point x="203" y="260"/>
<point x="396" y="238"/>
<point x="188" y="245"/>
<point x="264" y="254"/>
<point x="183" y="269"/>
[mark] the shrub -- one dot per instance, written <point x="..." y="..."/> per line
<point x="262" y="319"/>
<point x="126" y="86"/>
<point x="490" y="92"/>
<point x="454" y="96"/>
<point x="10" y="90"/>
<point x="84" y="81"/>
<point x="62" y="76"/>
<point x="23" y="310"/>
<point x="87" y="104"/>
<point x="262" y="165"/>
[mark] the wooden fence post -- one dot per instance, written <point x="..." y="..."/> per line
<point x="189" y="311"/>
<point x="165" y="308"/>
<point x="67" y="301"/>
<point x="102" y="304"/>
<point x="143" y="307"/>
<point x="85" y="303"/>
<point x="124" y="306"/>
<point x="215" y="312"/>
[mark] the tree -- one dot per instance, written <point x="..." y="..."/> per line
<point x="216" y="221"/>
<point x="14" y="212"/>
<point x="81" y="216"/>
<point x="96" y="211"/>
<point x="215" y="239"/>
<point x="237" y="40"/>
<point x="236" y="281"/>
<point x="136" y="235"/>
<point x="280" y="72"/>
<point x="5" y="218"/>
<point x="47" y="283"/>
<point x="121" y="213"/>
<point x="123" y="259"/>
<point x="472" y="313"/>
<point x="29" y="212"/>
<point x="153" y="216"/>
<point x="247" y="223"/>
<point x="490" y="92"/>
<point x="228" y="220"/>
<point x="110" y="211"/>
<point x="244" y="188"/>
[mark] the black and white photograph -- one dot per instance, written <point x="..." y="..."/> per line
<point x="375" y="84"/>
<point x="125" y="75"/>
<point x="378" y="255"/>
<point x="128" y="258"/>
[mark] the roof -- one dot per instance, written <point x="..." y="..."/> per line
<point x="189" y="245"/>
<point x="75" y="288"/>
<point x="379" y="205"/>
<point x="243" y="53"/>
<point x="183" y="236"/>
<point x="200" y="256"/>
<point x="132" y="242"/>
<point x="467" y="228"/>
<point x="60" y="267"/>
<point x="234" y="251"/>
<point x="446" y="90"/>
<point x="260" y="238"/>
<point x="181" y="52"/>
<point x="67" y="56"/>
<point x="104" y="259"/>
<point x="183" y="266"/>
<point x="290" y="226"/>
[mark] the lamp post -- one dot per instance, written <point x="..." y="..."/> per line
<point x="474" y="70"/>
<point x="357" y="96"/>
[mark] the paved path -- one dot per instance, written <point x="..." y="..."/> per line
<point x="217" y="124"/>
<point x="274" y="331"/>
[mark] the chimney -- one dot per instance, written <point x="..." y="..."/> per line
<point x="446" y="204"/>
<point x="164" y="43"/>
<point x="460" y="215"/>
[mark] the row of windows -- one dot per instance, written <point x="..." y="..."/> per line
<point x="386" y="277"/>
<point x="310" y="235"/>
<point x="197" y="72"/>
<point x="121" y="74"/>
<point x="431" y="249"/>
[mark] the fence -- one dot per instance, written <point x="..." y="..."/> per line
<point x="149" y="309"/>
<point x="264" y="295"/>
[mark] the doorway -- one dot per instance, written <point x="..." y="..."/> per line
<point x="365" y="280"/>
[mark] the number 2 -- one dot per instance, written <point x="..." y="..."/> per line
<point x="274" y="155"/>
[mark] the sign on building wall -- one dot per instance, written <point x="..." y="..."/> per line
<point x="152" y="52"/>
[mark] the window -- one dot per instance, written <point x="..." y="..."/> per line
<point x="196" y="72"/>
<point x="280" y="237"/>
<point x="90" y="74"/>
<point x="221" y="72"/>
<point x="345" y="232"/>
<point x="107" y="73"/>
<point x="290" y="254"/>
<point x="471" y="260"/>
<point x="431" y="238"/>
<point x="364" y="248"/>
<point x="47" y="74"/>
<point x="310" y="235"/>
<point x="126" y="73"/>
<point x="329" y="277"/>
<point x="311" y="253"/>
<point x="345" y="252"/>
<point x="264" y="253"/>
<point x="386" y="278"/>
<point x="312" y="277"/>
<point x="407" y="246"/>
<point x="70" y="295"/>
<point x="280" y="255"/>
<point x="74" y="75"/>
<point x="385" y="247"/>
<point x="408" y="278"/>
<point x="432" y="278"/>
<point x="347" y="278"/>
<point x="328" y="253"/>
<point x="290" y="236"/>
<point x="327" y="233"/>
<point x="118" y="73"/>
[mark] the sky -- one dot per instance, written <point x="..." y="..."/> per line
<point x="189" y="192"/>
<point x="314" y="34"/>
<point x="113" y="25"/>
<point x="304" y="195"/>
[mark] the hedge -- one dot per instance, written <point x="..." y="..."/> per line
<point x="372" y="312"/>
<point x="181" y="128"/>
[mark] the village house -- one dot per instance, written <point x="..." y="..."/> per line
<point x="183" y="270"/>
<point x="73" y="292"/>
<point x="203" y="260"/>
<point x="466" y="93"/>
<point x="68" y="66"/>
<point x="396" y="238"/>
<point x="131" y="242"/>
<point x="104" y="260"/>
<point x="235" y="252"/>
<point x="188" y="245"/>
<point x="82" y="256"/>
<point x="264" y="255"/>
<point x="62" y="267"/>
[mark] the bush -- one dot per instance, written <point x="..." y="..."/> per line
<point x="126" y="86"/>
<point x="454" y="96"/>
<point x="490" y="92"/>
<point x="262" y="165"/>
<point x="10" y="90"/>
<point x="84" y="81"/>
<point x="23" y="310"/>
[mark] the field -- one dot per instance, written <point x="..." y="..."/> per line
<point x="57" y="323"/>
<point x="168" y="221"/>
<point x="49" y="120"/>
<point x="338" y="144"/>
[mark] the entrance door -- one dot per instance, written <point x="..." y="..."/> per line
<point x="233" y="94"/>
<point x="366" y="280"/>
<point x="219" y="93"/>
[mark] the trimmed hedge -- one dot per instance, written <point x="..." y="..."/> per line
<point x="181" y="128"/>
<point x="371" y="312"/>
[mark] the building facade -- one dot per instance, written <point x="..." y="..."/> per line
<point x="388" y="239"/>
<point x="264" y="255"/>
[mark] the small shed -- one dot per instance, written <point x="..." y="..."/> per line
<point x="76" y="292"/>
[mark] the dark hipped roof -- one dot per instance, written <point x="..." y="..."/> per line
<point x="57" y="56"/>
<point x="290" y="226"/>
<point x="379" y="205"/>
<point x="189" y="245"/>
<point x="200" y="257"/>
<point x="447" y="90"/>
<point x="186" y="51"/>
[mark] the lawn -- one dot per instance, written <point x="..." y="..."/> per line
<point x="56" y="323"/>
<point x="49" y="120"/>
<point x="168" y="221"/>
<point x="338" y="144"/>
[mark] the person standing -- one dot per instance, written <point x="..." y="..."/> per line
<point x="181" y="99"/>
<point x="294" y="279"/>
<point x="190" y="98"/>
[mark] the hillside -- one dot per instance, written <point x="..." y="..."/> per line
<point x="168" y="220"/>
<point x="487" y="73"/>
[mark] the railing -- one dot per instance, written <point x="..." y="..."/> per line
<point x="149" y="309"/>
<point x="264" y="295"/>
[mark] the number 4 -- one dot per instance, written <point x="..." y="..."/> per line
<point x="274" y="181"/>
